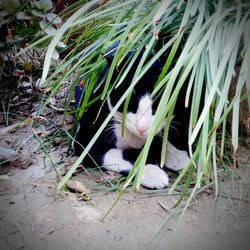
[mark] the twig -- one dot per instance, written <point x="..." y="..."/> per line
<point x="162" y="206"/>
<point x="57" y="109"/>
<point x="6" y="130"/>
<point x="24" y="142"/>
<point x="85" y="170"/>
<point x="17" y="104"/>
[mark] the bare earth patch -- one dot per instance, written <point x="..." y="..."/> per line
<point x="34" y="215"/>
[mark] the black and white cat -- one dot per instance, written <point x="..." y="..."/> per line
<point x="117" y="152"/>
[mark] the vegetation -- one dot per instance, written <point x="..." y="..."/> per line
<point x="23" y="22"/>
<point x="206" y="46"/>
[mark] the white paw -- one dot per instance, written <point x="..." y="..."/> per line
<point x="154" y="177"/>
<point x="113" y="161"/>
<point x="175" y="159"/>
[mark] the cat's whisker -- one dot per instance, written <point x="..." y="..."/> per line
<point x="110" y="129"/>
<point x="160" y="135"/>
<point x="112" y="138"/>
<point x="109" y="126"/>
<point x="171" y="127"/>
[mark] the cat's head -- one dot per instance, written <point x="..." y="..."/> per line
<point x="139" y="116"/>
<point x="142" y="106"/>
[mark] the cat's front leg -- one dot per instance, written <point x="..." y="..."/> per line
<point x="175" y="159"/>
<point x="113" y="161"/>
<point x="154" y="177"/>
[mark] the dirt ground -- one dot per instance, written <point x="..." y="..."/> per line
<point x="34" y="215"/>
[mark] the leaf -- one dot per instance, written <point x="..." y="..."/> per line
<point x="24" y="15"/>
<point x="77" y="186"/>
<point x="61" y="45"/>
<point x="34" y="28"/>
<point x="161" y="10"/>
<point x="21" y="30"/>
<point x="12" y="6"/>
<point x="57" y="37"/>
<point x="43" y="5"/>
<point x="39" y="13"/>
<point x="18" y="38"/>
<point x="55" y="54"/>
<point x="40" y="42"/>
<point x="47" y="28"/>
<point x="53" y="18"/>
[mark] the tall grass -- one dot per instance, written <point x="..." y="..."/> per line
<point x="207" y="45"/>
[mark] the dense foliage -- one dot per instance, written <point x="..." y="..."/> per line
<point x="206" y="47"/>
<point x="23" y="22"/>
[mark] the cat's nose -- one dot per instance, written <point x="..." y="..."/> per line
<point x="142" y="130"/>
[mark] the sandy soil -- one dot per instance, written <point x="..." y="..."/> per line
<point x="34" y="215"/>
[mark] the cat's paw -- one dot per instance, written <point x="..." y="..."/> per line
<point x="113" y="161"/>
<point x="154" y="177"/>
<point x="175" y="159"/>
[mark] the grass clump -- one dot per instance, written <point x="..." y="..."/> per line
<point x="206" y="47"/>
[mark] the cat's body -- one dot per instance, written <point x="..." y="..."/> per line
<point x="117" y="152"/>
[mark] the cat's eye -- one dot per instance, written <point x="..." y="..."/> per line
<point x="155" y="105"/>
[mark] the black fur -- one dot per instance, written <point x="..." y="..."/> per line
<point x="91" y="121"/>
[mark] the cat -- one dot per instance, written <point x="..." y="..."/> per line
<point x="118" y="152"/>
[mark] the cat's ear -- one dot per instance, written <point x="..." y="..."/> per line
<point x="110" y="53"/>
